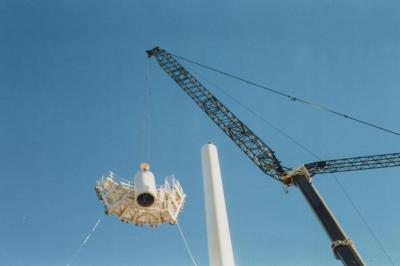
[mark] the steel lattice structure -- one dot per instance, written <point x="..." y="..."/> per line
<point x="244" y="138"/>
<point x="264" y="157"/>
<point x="354" y="164"/>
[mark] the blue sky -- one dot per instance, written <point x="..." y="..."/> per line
<point x="73" y="82"/>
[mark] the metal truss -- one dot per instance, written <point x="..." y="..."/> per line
<point x="354" y="164"/>
<point x="241" y="135"/>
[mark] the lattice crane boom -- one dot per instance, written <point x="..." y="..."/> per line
<point x="354" y="164"/>
<point x="262" y="155"/>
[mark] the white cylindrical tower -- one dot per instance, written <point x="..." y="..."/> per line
<point x="219" y="238"/>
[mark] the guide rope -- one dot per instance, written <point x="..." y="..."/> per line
<point x="186" y="244"/>
<point x="290" y="97"/>
<point x="78" y="251"/>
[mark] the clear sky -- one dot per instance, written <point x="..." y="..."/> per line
<point x="73" y="83"/>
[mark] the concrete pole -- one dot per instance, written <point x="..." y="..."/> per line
<point x="219" y="238"/>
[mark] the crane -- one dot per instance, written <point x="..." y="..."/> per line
<point x="264" y="157"/>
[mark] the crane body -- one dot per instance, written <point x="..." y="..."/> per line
<point x="265" y="159"/>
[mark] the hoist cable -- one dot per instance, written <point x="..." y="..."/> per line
<point x="146" y="116"/>
<point x="292" y="98"/>
<point x="346" y="194"/>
